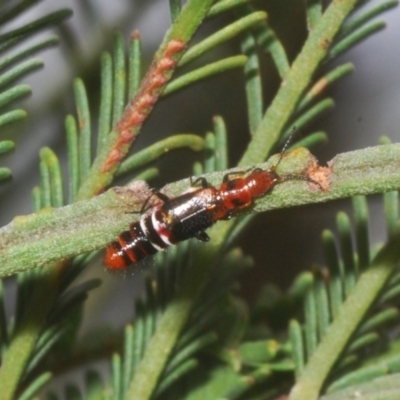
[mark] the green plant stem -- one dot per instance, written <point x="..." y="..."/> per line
<point x="224" y="5"/>
<point x="366" y="16"/>
<point x="34" y="388"/>
<point x="52" y="19"/>
<point x="172" y="321"/>
<point x="303" y="68"/>
<point x="324" y="83"/>
<point x="55" y="234"/>
<point x="30" y="324"/>
<point x="23" y="342"/>
<point x="153" y="152"/>
<point x="175" y="9"/>
<point x="120" y="139"/>
<point x="13" y="94"/>
<point x="6" y="146"/>
<point x="255" y="103"/>
<point x="223" y="35"/>
<point x="348" y="319"/>
<point x="11" y="116"/>
<point x="217" y="67"/>
<point x="269" y="42"/>
<point x="5" y="173"/>
<point x="135" y="63"/>
<point x="314" y="12"/>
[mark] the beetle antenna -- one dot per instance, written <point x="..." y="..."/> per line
<point x="284" y="148"/>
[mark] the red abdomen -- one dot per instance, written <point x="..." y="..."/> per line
<point x="131" y="247"/>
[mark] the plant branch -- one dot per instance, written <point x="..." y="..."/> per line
<point x="118" y="143"/>
<point x="27" y="333"/>
<point x="223" y="35"/>
<point x="55" y="234"/>
<point x="120" y="139"/>
<point x="172" y="323"/>
<point x="296" y="82"/>
<point x="347" y="321"/>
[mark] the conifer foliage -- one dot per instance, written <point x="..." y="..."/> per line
<point x="333" y="333"/>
